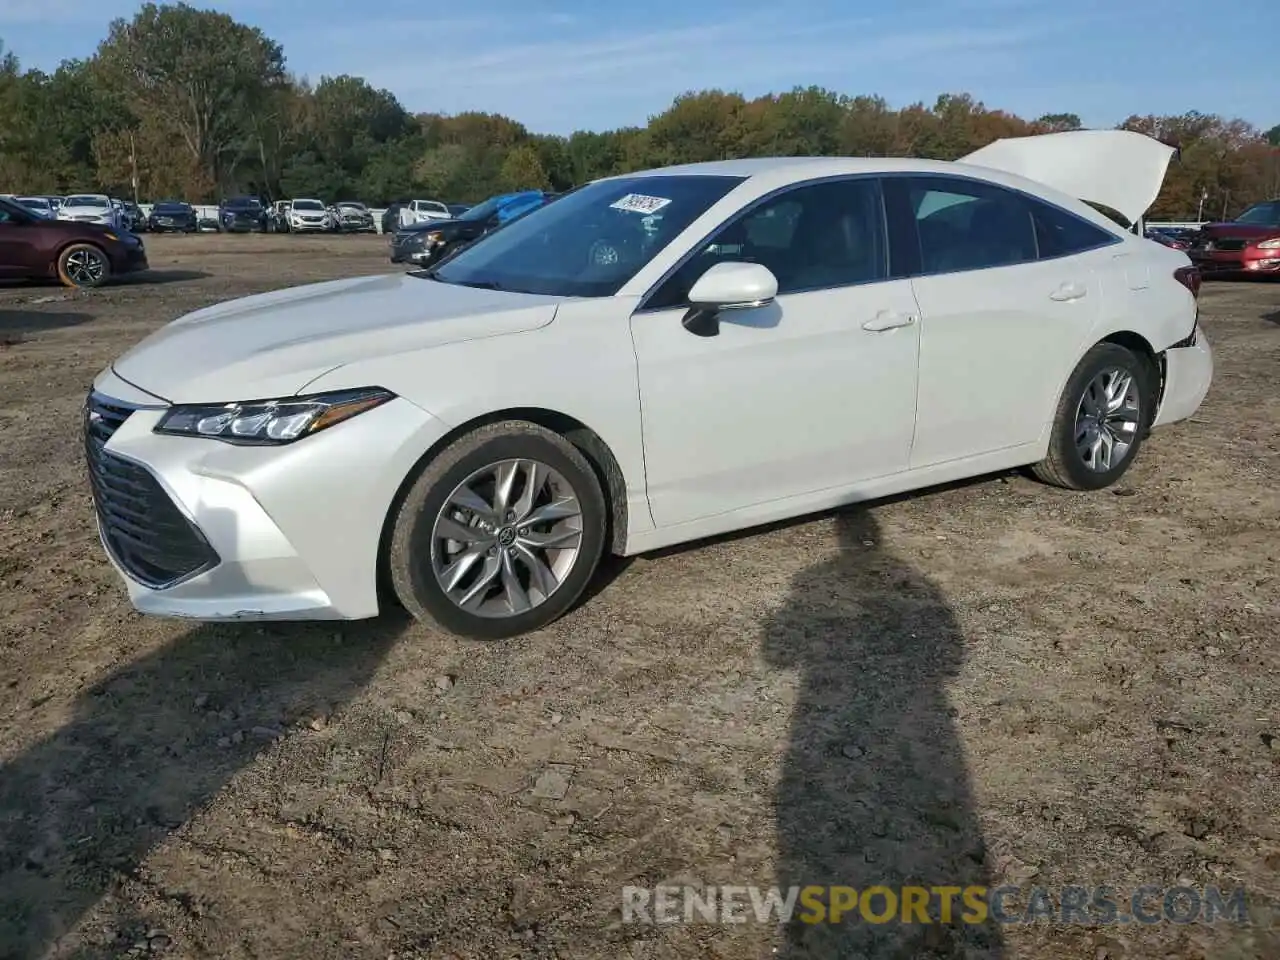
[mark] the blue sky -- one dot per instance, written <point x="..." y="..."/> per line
<point x="560" y="65"/>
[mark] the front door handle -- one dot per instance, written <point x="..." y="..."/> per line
<point x="888" y="320"/>
<point x="1069" y="291"/>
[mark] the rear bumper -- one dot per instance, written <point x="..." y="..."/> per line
<point x="1188" y="375"/>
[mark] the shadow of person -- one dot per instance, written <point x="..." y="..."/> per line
<point x="147" y="747"/>
<point x="874" y="790"/>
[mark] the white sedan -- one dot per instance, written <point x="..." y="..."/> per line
<point x="91" y="208"/>
<point x="654" y="358"/>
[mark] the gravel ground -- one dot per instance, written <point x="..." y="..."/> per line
<point x="991" y="683"/>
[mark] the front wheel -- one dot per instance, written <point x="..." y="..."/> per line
<point x="1103" y="416"/>
<point x="83" y="265"/>
<point x="500" y="533"/>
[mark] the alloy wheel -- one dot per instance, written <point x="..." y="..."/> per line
<point x="85" y="267"/>
<point x="506" y="538"/>
<point x="1107" y="419"/>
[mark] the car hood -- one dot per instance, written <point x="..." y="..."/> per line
<point x="1117" y="168"/>
<point x="1241" y="231"/>
<point x="274" y="344"/>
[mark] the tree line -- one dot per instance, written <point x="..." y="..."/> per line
<point x="191" y="104"/>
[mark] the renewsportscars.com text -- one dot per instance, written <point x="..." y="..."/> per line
<point x="1072" y="904"/>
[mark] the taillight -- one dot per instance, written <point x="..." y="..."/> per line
<point x="1190" y="278"/>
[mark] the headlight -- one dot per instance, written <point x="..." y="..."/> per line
<point x="435" y="236"/>
<point x="270" y="422"/>
<point x="1269" y="244"/>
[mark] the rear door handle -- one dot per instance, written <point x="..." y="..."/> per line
<point x="1069" y="291"/>
<point x="887" y="320"/>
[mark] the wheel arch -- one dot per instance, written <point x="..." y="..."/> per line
<point x="586" y="440"/>
<point x="1140" y="345"/>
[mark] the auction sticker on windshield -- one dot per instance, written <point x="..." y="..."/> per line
<point x="639" y="203"/>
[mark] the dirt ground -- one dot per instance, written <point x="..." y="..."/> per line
<point x="994" y="683"/>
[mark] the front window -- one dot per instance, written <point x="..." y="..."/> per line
<point x="243" y="203"/>
<point x="590" y="243"/>
<point x="360" y="207"/>
<point x="308" y="205"/>
<point x="1263" y="214"/>
<point x="87" y="201"/>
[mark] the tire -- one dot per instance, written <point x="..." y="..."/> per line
<point x="1089" y="387"/>
<point x="84" y="266"/>
<point x="417" y="551"/>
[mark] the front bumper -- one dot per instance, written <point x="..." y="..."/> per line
<point x="249" y="533"/>
<point x="243" y="224"/>
<point x="1244" y="262"/>
<point x="305" y="226"/>
<point x="132" y="260"/>
<point x="1187" y="377"/>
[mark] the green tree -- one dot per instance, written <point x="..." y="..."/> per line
<point x="198" y="72"/>
<point x="522" y="169"/>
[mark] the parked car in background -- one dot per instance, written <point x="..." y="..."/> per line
<point x="1249" y="245"/>
<point x="353" y="217"/>
<point x="278" y="216"/>
<point x="242" y="215"/>
<point x="420" y="211"/>
<point x="78" y="253"/>
<point x="417" y="439"/>
<point x="425" y="243"/>
<point x="308" y="216"/>
<point x="40" y="205"/>
<point x="1175" y="237"/>
<point x="90" y="208"/>
<point x="392" y="217"/>
<point x="173" y="216"/>
<point x="134" y="217"/>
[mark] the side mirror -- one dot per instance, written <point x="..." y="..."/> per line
<point x="733" y="285"/>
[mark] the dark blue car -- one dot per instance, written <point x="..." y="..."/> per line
<point x="242" y="215"/>
<point x="425" y="243"/>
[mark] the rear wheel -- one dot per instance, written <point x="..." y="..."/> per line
<point x="1102" y="419"/>
<point x="83" y="265"/>
<point x="500" y="533"/>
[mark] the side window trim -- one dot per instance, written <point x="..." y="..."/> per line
<point x="748" y="209"/>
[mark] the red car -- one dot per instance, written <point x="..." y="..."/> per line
<point x="1248" y="245"/>
<point x="34" y="246"/>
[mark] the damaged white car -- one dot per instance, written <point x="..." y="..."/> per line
<point x="651" y="359"/>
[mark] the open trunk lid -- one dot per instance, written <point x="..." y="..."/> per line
<point x="1119" y="169"/>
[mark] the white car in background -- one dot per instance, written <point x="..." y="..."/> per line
<point x="40" y="205"/>
<point x="785" y="336"/>
<point x="422" y="211"/>
<point x="309" y="216"/>
<point x="91" y="208"/>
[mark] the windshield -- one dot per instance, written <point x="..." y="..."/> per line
<point x="352" y="206"/>
<point x="1266" y="214"/>
<point x="171" y="206"/>
<point x="36" y="204"/>
<point x="86" y="201"/>
<point x="244" y="203"/>
<point x="308" y="205"/>
<point x="589" y="243"/>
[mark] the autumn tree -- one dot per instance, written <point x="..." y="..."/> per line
<point x="198" y="73"/>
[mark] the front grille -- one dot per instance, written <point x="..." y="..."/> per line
<point x="142" y="527"/>
<point x="1228" y="246"/>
